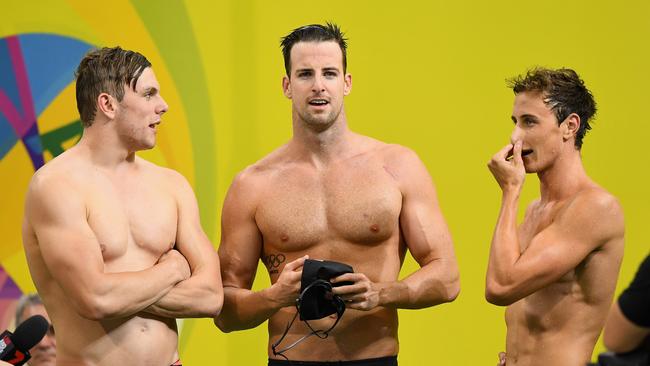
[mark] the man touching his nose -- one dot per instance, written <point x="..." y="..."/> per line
<point x="556" y="272"/>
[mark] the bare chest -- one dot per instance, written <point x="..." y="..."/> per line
<point x="536" y="221"/>
<point x="134" y="222"/>
<point x="299" y="211"/>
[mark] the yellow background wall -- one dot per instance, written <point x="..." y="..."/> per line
<point x="426" y="74"/>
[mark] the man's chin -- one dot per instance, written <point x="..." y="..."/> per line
<point x="319" y="124"/>
<point x="147" y="145"/>
<point x="531" y="168"/>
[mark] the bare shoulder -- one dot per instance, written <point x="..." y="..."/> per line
<point x="597" y="209"/>
<point x="596" y="200"/>
<point x="251" y="182"/>
<point x="398" y="154"/>
<point x="259" y="173"/>
<point x="160" y="174"/>
<point x="57" y="188"/>
<point x="403" y="164"/>
<point x="65" y="171"/>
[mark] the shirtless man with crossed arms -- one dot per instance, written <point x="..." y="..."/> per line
<point x="114" y="243"/>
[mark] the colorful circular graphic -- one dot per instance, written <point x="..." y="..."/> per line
<point x="35" y="69"/>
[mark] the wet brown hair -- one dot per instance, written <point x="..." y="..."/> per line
<point x="563" y="91"/>
<point x="106" y="70"/>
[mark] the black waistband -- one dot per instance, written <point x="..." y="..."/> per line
<point x="381" y="361"/>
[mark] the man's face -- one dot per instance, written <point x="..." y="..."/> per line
<point x="537" y="128"/>
<point x="317" y="83"/>
<point x="43" y="353"/>
<point x="140" y="112"/>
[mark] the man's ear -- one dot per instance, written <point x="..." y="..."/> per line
<point x="571" y="125"/>
<point x="107" y="105"/>
<point x="347" y="79"/>
<point x="286" y="86"/>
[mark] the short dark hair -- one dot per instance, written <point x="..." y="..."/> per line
<point x="314" y="33"/>
<point x="563" y="91"/>
<point x="106" y="70"/>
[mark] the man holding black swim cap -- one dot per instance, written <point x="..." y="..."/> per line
<point x="312" y="198"/>
<point x="556" y="271"/>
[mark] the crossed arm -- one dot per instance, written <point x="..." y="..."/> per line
<point x="57" y="215"/>
<point x="201" y="295"/>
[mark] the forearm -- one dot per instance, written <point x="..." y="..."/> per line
<point x="435" y="283"/>
<point x="504" y="251"/>
<point x="196" y="297"/>
<point x="245" y="309"/>
<point x="621" y="335"/>
<point x="117" y="295"/>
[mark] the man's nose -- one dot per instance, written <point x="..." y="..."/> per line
<point x="317" y="87"/>
<point x="163" y="107"/>
<point x="516" y="135"/>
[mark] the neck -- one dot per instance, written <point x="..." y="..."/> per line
<point x="103" y="146"/>
<point x="318" y="146"/>
<point x="564" y="178"/>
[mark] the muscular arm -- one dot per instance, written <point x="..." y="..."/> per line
<point x="201" y="295"/>
<point x="427" y="237"/>
<point x="589" y="221"/>
<point x="239" y="253"/>
<point x="58" y="216"/>
<point x="628" y="323"/>
<point x="621" y="335"/>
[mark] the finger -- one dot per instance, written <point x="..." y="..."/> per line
<point x="349" y="277"/>
<point x="295" y="276"/>
<point x="516" y="153"/>
<point x="503" y="153"/>
<point x="295" y="264"/>
<point x="354" y="298"/>
<point x="357" y="288"/>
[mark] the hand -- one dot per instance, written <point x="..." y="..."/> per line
<point x="502" y="359"/>
<point x="178" y="261"/>
<point x="286" y="289"/>
<point x="510" y="174"/>
<point x="363" y="294"/>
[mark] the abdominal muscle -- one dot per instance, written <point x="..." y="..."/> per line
<point x="140" y="339"/>
<point x="358" y="335"/>
<point x="559" y="336"/>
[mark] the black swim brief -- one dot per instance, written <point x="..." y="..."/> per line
<point x="381" y="361"/>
